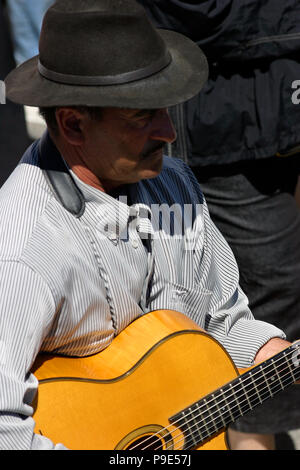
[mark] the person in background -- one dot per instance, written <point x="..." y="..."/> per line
<point x="13" y="134"/>
<point x="26" y="18"/>
<point x="241" y="136"/>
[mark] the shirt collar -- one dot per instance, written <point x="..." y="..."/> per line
<point x="112" y="214"/>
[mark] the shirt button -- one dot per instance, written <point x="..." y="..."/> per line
<point x="113" y="238"/>
<point x="134" y="243"/>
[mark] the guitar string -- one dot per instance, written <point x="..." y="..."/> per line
<point x="215" y="425"/>
<point x="218" y="420"/>
<point x="213" y="422"/>
<point x="207" y="403"/>
<point x="190" y="441"/>
<point x="289" y="354"/>
<point x="249" y="379"/>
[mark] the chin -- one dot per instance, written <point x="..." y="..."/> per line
<point x="153" y="173"/>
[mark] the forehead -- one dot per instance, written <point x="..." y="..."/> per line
<point x="128" y="112"/>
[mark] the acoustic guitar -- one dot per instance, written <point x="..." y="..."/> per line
<point x="162" y="384"/>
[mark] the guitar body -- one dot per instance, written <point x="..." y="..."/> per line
<point x="159" y="365"/>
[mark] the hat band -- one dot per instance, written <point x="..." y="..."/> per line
<point x="95" y="80"/>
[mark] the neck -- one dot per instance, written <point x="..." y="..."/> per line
<point x="85" y="175"/>
<point x="74" y="159"/>
<point x="213" y="413"/>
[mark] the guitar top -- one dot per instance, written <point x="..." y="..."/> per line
<point x="162" y="384"/>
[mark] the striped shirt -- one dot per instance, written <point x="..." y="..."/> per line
<point x="71" y="284"/>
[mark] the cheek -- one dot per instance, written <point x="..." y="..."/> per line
<point x="131" y="154"/>
<point x="123" y="150"/>
<point x="135" y="140"/>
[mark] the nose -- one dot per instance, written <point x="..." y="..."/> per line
<point x="162" y="127"/>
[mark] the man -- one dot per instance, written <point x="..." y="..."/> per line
<point x="81" y="256"/>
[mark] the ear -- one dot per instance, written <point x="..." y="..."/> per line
<point x="70" y="122"/>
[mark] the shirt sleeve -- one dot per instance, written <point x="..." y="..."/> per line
<point x="228" y="317"/>
<point x="26" y="310"/>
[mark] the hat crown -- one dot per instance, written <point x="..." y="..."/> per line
<point x="98" y="38"/>
<point x="107" y="53"/>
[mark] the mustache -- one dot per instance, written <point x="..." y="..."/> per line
<point x="152" y="148"/>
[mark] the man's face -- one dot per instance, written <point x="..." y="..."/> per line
<point x="126" y="145"/>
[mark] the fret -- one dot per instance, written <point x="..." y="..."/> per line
<point x="255" y="385"/>
<point x="278" y="376"/>
<point x="194" y="426"/>
<point x="190" y="421"/>
<point x="234" y="394"/>
<point x="232" y="418"/>
<point x="203" y="422"/>
<point x="222" y="409"/>
<point x="226" y="399"/>
<point x="245" y="392"/>
<point x="266" y="380"/>
<point x="209" y="412"/>
<point x="200" y="429"/>
<point x="271" y="378"/>
<point x="290" y="369"/>
<point x="188" y="426"/>
<point x="199" y="421"/>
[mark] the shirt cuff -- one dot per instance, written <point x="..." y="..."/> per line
<point x="256" y="332"/>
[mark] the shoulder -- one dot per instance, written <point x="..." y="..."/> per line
<point x="23" y="199"/>
<point x="177" y="176"/>
<point x="176" y="166"/>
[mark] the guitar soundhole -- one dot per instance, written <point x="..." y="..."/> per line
<point x="150" y="437"/>
<point x="146" y="443"/>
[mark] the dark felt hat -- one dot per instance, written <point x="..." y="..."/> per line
<point x="107" y="53"/>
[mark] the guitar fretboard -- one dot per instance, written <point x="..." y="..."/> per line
<point x="211" y="414"/>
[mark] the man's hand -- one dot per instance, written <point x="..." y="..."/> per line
<point x="272" y="347"/>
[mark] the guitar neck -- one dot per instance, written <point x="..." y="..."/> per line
<point x="217" y="410"/>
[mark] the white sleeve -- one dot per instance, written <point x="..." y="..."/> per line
<point x="26" y="311"/>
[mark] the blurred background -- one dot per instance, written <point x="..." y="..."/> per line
<point x="19" y="125"/>
<point x="14" y="137"/>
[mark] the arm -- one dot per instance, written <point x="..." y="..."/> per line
<point x="26" y="311"/>
<point x="271" y="348"/>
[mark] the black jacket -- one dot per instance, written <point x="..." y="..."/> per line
<point x="245" y="111"/>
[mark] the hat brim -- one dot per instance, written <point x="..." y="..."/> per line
<point x="182" y="79"/>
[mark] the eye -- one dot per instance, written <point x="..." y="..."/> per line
<point x="144" y="117"/>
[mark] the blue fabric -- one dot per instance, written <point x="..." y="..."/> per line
<point x="26" y="18"/>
